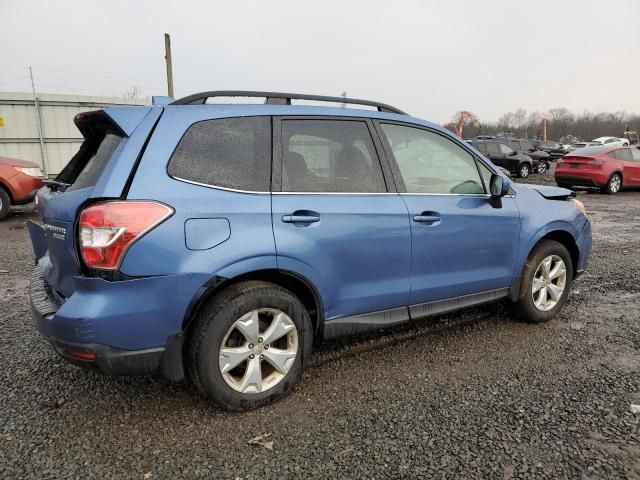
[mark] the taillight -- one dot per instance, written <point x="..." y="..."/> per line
<point x="596" y="162"/>
<point x="108" y="229"/>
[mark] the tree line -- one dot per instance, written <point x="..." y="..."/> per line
<point x="562" y="125"/>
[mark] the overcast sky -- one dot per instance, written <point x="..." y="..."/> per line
<point x="430" y="58"/>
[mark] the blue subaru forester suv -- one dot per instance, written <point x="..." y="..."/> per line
<point x="218" y="241"/>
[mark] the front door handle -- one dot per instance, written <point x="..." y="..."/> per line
<point x="300" y="218"/>
<point x="427" y="218"/>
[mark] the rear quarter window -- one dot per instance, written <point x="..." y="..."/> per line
<point x="229" y="152"/>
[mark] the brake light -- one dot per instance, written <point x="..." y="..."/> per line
<point x="596" y="162"/>
<point x="108" y="229"/>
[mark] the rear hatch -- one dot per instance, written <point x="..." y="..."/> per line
<point x="580" y="163"/>
<point x="60" y="200"/>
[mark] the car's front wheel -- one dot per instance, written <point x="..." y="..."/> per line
<point x="249" y="345"/>
<point x="5" y="203"/>
<point x="543" y="166"/>
<point x="525" y="170"/>
<point x="545" y="283"/>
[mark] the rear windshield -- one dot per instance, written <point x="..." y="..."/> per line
<point x="95" y="165"/>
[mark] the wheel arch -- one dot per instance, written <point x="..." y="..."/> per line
<point x="6" y="188"/>
<point x="565" y="238"/>
<point x="301" y="287"/>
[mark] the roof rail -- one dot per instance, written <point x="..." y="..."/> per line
<point x="277" y="98"/>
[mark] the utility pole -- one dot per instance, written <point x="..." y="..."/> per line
<point x="344" y="95"/>
<point x="167" y="57"/>
<point x="36" y="103"/>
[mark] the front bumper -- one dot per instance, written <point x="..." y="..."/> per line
<point x="27" y="199"/>
<point x="118" y="328"/>
<point x="584" y="244"/>
<point x="24" y="187"/>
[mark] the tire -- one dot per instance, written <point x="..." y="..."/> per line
<point x="614" y="185"/>
<point x="5" y="203"/>
<point x="527" y="306"/>
<point x="524" y="171"/>
<point x="543" y="166"/>
<point x="216" y="325"/>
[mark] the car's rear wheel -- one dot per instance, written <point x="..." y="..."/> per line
<point x="543" y="166"/>
<point x="546" y="280"/>
<point x="5" y="203"/>
<point x="614" y="184"/>
<point x="525" y="170"/>
<point x="249" y="345"/>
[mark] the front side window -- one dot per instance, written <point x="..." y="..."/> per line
<point x="524" y="145"/>
<point x="635" y="153"/>
<point x="507" y="150"/>
<point x="624" y="154"/>
<point x="431" y="163"/>
<point x="516" y="144"/>
<point x="329" y="156"/>
<point x="492" y="148"/>
<point x="228" y="152"/>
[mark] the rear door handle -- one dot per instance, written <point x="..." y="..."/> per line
<point x="427" y="218"/>
<point x="300" y="218"/>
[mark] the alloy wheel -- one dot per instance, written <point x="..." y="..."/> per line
<point x="549" y="282"/>
<point x="258" y="350"/>
<point x="524" y="171"/>
<point x="615" y="183"/>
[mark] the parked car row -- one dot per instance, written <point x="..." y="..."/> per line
<point x="515" y="155"/>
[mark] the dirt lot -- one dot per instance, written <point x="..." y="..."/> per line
<point x="475" y="395"/>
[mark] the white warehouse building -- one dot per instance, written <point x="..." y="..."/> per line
<point x="59" y="139"/>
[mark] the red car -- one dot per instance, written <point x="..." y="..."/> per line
<point x="19" y="182"/>
<point x="608" y="168"/>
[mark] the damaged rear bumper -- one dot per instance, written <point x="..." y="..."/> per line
<point x="131" y="327"/>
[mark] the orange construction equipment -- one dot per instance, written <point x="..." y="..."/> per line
<point x="542" y="129"/>
<point x="463" y="119"/>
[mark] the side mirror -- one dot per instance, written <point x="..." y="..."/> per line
<point x="513" y="153"/>
<point x="499" y="186"/>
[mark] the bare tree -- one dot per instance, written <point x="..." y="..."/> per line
<point x="560" y="123"/>
<point x="132" y="94"/>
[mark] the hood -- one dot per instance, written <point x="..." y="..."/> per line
<point x="550" y="192"/>
<point x="18" y="163"/>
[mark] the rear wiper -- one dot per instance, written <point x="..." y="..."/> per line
<point x="56" y="184"/>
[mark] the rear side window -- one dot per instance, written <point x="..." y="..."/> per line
<point x="329" y="156"/>
<point x="229" y="153"/>
<point x="635" y="153"/>
<point x="90" y="173"/>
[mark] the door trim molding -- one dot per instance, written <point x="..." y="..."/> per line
<point x="354" y="324"/>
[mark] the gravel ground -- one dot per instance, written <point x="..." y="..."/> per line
<point x="475" y="395"/>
